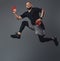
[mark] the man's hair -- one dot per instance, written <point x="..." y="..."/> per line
<point x="29" y="2"/>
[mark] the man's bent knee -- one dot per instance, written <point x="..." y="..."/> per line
<point x="25" y="23"/>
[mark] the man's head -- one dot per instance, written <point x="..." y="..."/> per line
<point x="28" y="5"/>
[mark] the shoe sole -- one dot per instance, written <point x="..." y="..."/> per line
<point x="14" y="37"/>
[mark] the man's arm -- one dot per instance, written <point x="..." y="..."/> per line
<point x="16" y="15"/>
<point x="42" y="14"/>
<point x="38" y="21"/>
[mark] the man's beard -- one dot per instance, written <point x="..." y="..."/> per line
<point x="29" y="8"/>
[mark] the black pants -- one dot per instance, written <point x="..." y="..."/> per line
<point x="23" y="25"/>
<point x="41" y="38"/>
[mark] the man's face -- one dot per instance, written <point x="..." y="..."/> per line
<point x="28" y="5"/>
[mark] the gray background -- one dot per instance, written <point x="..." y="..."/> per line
<point x="28" y="48"/>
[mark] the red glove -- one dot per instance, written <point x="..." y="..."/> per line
<point x="13" y="8"/>
<point x="38" y="22"/>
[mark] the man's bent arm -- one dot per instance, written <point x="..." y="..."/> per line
<point x="42" y="13"/>
<point x="17" y="16"/>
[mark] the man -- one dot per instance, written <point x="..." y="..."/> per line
<point x="36" y="21"/>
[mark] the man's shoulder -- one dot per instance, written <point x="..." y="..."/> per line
<point x="35" y="8"/>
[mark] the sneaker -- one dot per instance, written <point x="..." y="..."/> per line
<point x="55" y="41"/>
<point x="16" y="36"/>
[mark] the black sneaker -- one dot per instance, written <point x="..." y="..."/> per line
<point x="55" y="41"/>
<point x="16" y="36"/>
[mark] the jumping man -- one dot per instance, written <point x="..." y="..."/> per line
<point x="36" y="23"/>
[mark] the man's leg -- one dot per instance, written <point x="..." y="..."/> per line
<point x="41" y="33"/>
<point x="43" y="39"/>
<point x="18" y="34"/>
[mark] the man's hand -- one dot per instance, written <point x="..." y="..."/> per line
<point x="13" y="9"/>
<point x="38" y="22"/>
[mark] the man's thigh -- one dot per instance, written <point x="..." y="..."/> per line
<point x="39" y="30"/>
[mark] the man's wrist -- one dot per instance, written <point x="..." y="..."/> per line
<point x="14" y="13"/>
<point x="40" y="17"/>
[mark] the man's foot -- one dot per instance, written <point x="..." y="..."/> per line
<point x="16" y="36"/>
<point x="55" y="41"/>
